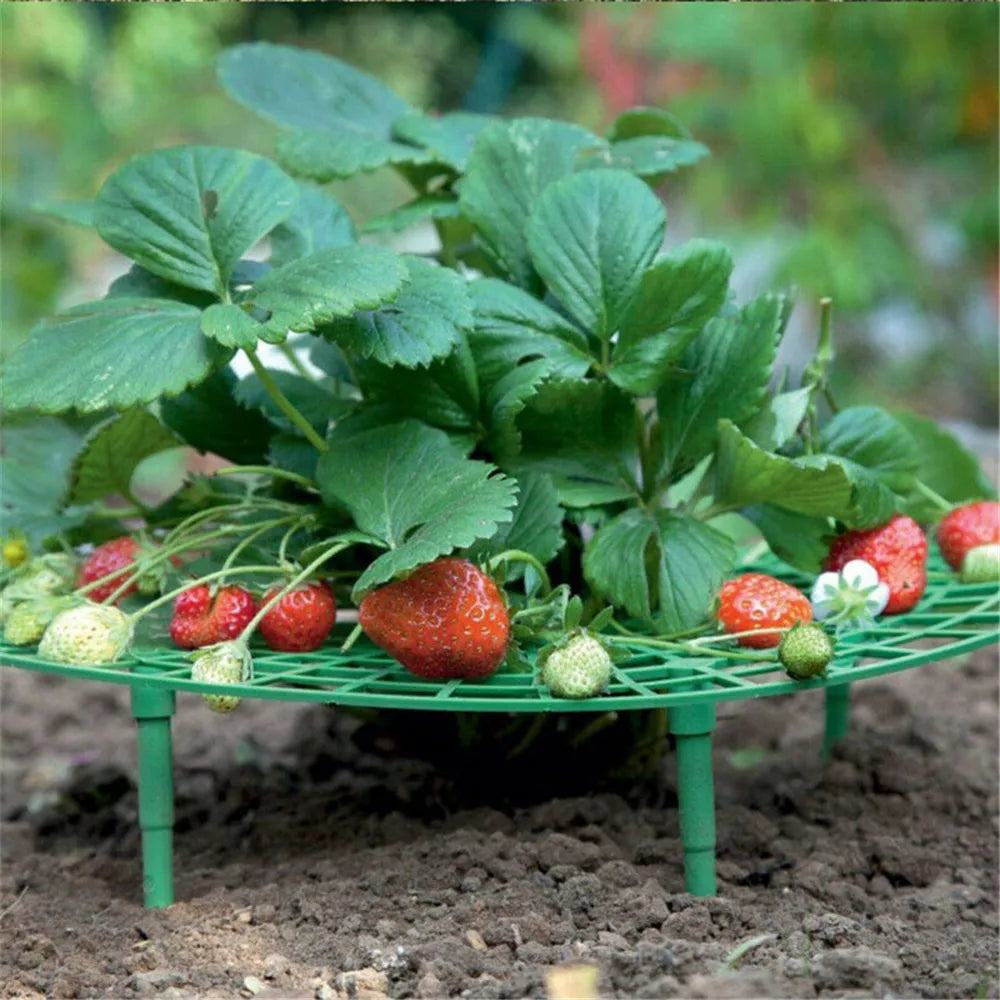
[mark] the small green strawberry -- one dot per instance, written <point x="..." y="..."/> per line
<point x="87" y="635"/>
<point x="579" y="669"/>
<point x="981" y="565"/>
<point x="27" y="622"/>
<point x="224" y="663"/>
<point x="805" y="651"/>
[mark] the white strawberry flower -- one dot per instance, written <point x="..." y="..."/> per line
<point x="853" y="595"/>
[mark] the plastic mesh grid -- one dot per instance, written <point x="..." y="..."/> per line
<point x="952" y="618"/>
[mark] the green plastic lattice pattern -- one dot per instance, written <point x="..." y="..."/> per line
<point x="952" y="618"/>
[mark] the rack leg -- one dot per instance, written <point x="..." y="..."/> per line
<point x="152" y="709"/>
<point x="693" y="725"/>
<point x="838" y="714"/>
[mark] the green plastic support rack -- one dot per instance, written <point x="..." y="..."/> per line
<point x="951" y="619"/>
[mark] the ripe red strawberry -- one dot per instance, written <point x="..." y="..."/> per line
<point x="759" y="601"/>
<point x="898" y="552"/>
<point x="967" y="528"/>
<point x="112" y="560"/>
<point x="301" y="620"/>
<point x="201" y="621"/>
<point x="445" y="620"/>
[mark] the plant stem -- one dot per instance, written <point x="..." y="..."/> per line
<point x="690" y="647"/>
<point x="935" y="498"/>
<point x="193" y="520"/>
<point x="266" y="470"/>
<point x="283" y="402"/>
<point x="352" y="638"/>
<point x="117" y="513"/>
<point x="296" y="362"/>
<point x="519" y="555"/>
<point x="262" y="529"/>
<point x="710" y="640"/>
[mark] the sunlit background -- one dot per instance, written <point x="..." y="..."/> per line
<point x="854" y="146"/>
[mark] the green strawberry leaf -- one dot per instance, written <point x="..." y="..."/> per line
<point x="318" y="222"/>
<point x="325" y="156"/>
<point x="946" y="466"/>
<point x="408" y="487"/>
<point x="343" y="117"/>
<point x="330" y="358"/>
<point x="138" y="283"/>
<point x="326" y="285"/>
<point x="230" y="326"/>
<point x="428" y="206"/>
<point x="818" y="485"/>
<point x="503" y="400"/>
<point x="870" y="437"/>
<point x="424" y="321"/>
<point x="448" y="138"/>
<point x="444" y="394"/>
<point x="682" y="290"/>
<point x="189" y="214"/>
<point x="113" y="451"/>
<point x="651" y="156"/>
<point x="513" y="326"/>
<point x="302" y="89"/>
<point x="583" y="434"/>
<point x="209" y="418"/>
<point x="510" y="165"/>
<point x="800" y="540"/>
<point x="730" y="366"/>
<point x="114" y="353"/>
<point x="537" y="524"/>
<point x="590" y="237"/>
<point x="778" y="420"/>
<point x="674" y="300"/>
<point x="33" y="490"/>
<point x="293" y="453"/>
<point x="649" y="142"/>
<point x="660" y="567"/>
<point x="314" y="400"/>
<point x="642" y="120"/>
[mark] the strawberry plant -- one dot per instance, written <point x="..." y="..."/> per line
<point x="548" y="395"/>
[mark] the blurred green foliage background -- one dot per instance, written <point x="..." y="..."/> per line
<point x="854" y="145"/>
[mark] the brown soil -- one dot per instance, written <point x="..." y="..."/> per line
<point x="319" y="856"/>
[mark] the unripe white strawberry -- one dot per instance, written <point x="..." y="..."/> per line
<point x="27" y="622"/>
<point x="87" y="635"/>
<point x="981" y="565"/>
<point x="580" y="669"/>
<point x="8" y="602"/>
<point x="39" y="581"/>
<point x="225" y="663"/>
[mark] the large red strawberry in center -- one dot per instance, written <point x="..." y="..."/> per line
<point x="445" y="620"/>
